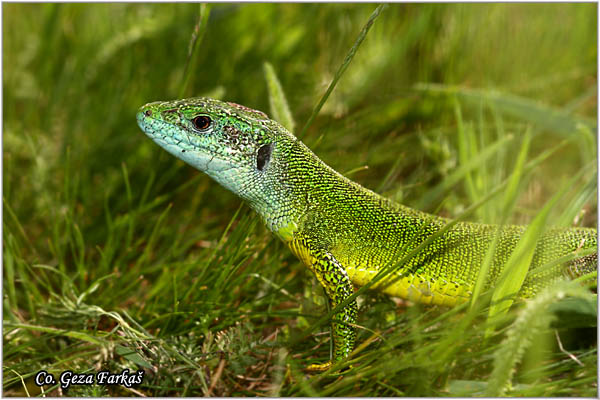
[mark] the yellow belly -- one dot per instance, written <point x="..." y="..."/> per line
<point x="413" y="287"/>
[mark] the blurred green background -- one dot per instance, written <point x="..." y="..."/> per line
<point x="97" y="219"/>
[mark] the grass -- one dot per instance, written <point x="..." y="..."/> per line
<point x="118" y="256"/>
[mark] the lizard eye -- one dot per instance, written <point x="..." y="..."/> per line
<point x="201" y="122"/>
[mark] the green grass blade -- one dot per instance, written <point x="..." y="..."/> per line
<point x="510" y="196"/>
<point x="361" y="36"/>
<point x="516" y="268"/>
<point x="535" y="318"/>
<point x="195" y="40"/>
<point x="541" y="115"/>
<point x="571" y="214"/>
<point x="465" y="153"/>
<point x="86" y="337"/>
<point x="462" y="171"/>
<point x="279" y="105"/>
<point x="511" y="192"/>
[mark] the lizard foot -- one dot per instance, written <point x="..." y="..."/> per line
<point x="319" y="367"/>
<point x="314" y="368"/>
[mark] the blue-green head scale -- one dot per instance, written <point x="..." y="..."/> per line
<point x="240" y="148"/>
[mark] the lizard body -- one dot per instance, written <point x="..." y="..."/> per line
<point x="344" y="233"/>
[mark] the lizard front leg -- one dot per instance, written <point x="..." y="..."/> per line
<point x="338" y="287"/>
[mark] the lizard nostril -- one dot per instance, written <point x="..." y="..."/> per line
<point x="148" y="113"/>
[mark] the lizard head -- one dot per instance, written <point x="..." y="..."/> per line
<point x="231" y="143"/>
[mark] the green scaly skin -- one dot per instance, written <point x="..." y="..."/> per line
<point x="341" y="231"/>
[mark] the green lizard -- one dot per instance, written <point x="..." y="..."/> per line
<point x="341" y="231"/>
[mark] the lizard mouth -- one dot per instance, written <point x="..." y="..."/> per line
<point x="177" y="141"/>
<point x="165" y="134"/>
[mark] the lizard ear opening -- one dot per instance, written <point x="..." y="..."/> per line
<point x="263" y="156"/>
